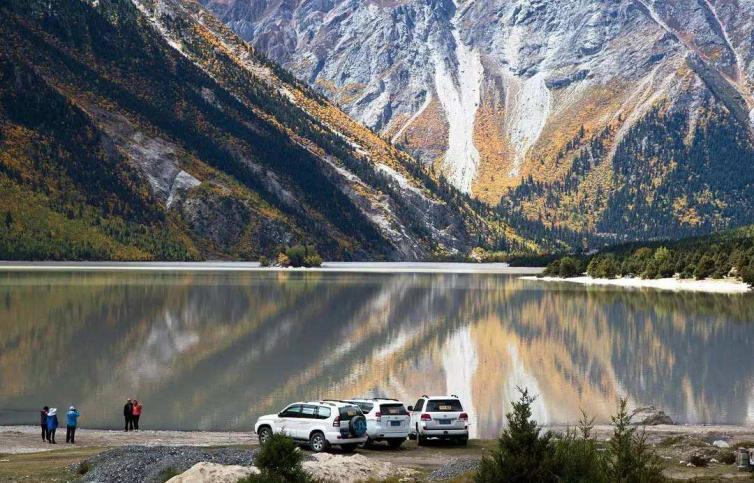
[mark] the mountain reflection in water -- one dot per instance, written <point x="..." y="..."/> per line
<point x="216" y="350"/>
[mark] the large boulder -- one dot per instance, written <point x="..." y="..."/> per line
<point x="650" y="416"/>
<point x="214" y="473"/>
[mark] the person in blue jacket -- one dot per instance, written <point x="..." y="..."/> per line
<point x="72" y="422"/>
<point x="52" y="425"/>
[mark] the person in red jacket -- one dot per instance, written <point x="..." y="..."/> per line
<point x="136" y="414"/>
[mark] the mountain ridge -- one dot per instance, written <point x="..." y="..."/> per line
<point x="532" y="105"/>
<point x="232" y="155"/>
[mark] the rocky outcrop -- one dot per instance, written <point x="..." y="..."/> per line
<point x="650" y="416"/>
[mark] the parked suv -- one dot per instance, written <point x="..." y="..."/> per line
<point x="439" y="417"/>
<point x="319" y="424"/>
<point x="387" y="420"/>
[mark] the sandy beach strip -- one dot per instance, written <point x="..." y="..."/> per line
<point x="723" y="286"/>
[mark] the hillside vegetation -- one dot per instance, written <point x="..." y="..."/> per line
<point x="145" y="130"/>
<point x="726" y="254"/>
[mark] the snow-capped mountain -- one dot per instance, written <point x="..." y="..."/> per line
<point x="547" y="105"/>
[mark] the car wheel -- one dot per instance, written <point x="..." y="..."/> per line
<point x="368" y="443"/>
<point x="265" y="433"/>
<point x="395" y="443"/>
<point x="317" y="442"/>
<point x="421" y="440"/>
<point x="348" y="448"/>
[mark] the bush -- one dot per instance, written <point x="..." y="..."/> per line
<point x="523" y="452"/>
<point x="279" y="460"/>
<point x="264" y="261"/>
<point x="604" y="266"/>
<point x="726" y="457"/>
<point x="570" y="267"/>
<point x="630" y="458"/>
<point x="300" y="256"/>
<point x="84" y="467"/>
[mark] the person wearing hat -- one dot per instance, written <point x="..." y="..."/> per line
<point x="72" y="422"/>
<point x="52" y="425"/>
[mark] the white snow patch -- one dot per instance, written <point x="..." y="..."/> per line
<point x="529" y="109"/>
<point x="726" y="286"/>
<point x="460" y="96"/>
<point x="459" y="364"/>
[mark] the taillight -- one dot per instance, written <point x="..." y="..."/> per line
<point x="426" y="417"/>
<point x="336" y="422"/>
<point x="463" y="417"/>
<point x="378" y="415"/>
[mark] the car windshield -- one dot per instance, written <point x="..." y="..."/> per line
<point x="348" y="412"/>
<point x="393" y="410"/>
<point x="444" y="406"/>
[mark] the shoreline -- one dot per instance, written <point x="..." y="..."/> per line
<point x="23" y="439"/>
<point x="327" y="267"/>
<point x="722" y="286"/>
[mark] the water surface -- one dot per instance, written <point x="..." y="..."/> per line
<point x="214" y="350"/>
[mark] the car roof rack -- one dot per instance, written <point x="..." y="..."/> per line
<point x="384" y="399"/>
<point x="425" y="396"/>
<point x="453" y="395"/>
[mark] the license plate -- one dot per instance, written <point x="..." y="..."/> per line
<point x="395" y="423"/>
<point x="445" y="421"/>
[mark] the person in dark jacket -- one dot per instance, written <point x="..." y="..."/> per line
<point x="43" y="422"/>
<point x="72" y="422"/>
<point x="128" y="415"/>
<point x="52" y="425"/>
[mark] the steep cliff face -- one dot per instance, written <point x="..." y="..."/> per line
<point x="121" y="119"/>
<point x="509" y="98"/>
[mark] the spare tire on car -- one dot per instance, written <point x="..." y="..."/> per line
<point x="357" y="426"/>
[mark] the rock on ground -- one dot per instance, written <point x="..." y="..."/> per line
<point x="215" y="473"/>
<point x="347" y="469"/>
<point x="650" y="416"/>
<point x="136" y="464"/>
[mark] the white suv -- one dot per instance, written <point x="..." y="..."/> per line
<point x="439" y="417"/>
<point x="319" y="424"/>
<point x="387" y="420"/>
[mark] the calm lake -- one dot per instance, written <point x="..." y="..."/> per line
<point x="214" y="350"/>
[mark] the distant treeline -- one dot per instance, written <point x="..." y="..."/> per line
<point x="727" y="254"/>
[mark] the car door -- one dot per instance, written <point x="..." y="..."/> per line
<point x="288" y="420"/>
<point x="306" y="421"/>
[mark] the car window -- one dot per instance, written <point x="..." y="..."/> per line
<point x="418" y="405"/>
<point x="348" y="412"/>
<point x="444" y="406"/>
<point x="293" y="411"/>
<point x="393" y="410"/>
<point x="323" y="412"/>
<point x="308" y="411"/>
<point x="364" y="406"/>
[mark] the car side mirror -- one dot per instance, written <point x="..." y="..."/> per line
<point x="410" y="408"/>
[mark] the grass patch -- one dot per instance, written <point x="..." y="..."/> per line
<point x="46" y="466"/>
<point x="168" y="473"/>
<point x="670" y="441"/>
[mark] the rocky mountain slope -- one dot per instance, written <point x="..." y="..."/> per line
<point x="145" y="129"/>
<point x="583" y="120"/>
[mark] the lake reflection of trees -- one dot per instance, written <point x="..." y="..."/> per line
<point x="215" y="350"/>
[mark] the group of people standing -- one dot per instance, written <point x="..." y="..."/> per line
<point x="48" y="420"/>
<point x="132" y="413"/>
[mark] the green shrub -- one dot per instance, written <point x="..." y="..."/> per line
<point x="313" y="261"/>
<point x="524" y="453"/>
<point x="168" y="473"/>
<point x="264" y="261"/>
<point x="279" y="460"/>
<point x="83" y="468"/>
<point x="570" y="267"/>
<point x="302" y="256"/>
<point x="630" y="457"/>
<point x="726" y="457"/>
